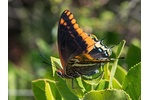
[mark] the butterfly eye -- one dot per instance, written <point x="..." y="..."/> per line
<point x="59" y="73"/>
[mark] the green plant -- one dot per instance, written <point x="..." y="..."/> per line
<point x="114" y="82"/>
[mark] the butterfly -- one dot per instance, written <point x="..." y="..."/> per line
<point x="80" y="53"/>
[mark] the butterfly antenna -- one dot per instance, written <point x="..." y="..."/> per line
<point x="103" y="39"/>
<point x="45" y="58"/>
<point x="46" y="63"/>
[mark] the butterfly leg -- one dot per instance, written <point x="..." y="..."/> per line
<point x="73" y="81"/>
<point x="73" y="84"/>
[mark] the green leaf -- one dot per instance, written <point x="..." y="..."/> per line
<point x="42" y="90"/>
<point x="76" y="90"/>
<point x="103" y="85"/>
<point x="106" y="71"/>
<point x="56" y="64"/>
<point x="133" y="55"/>
<point x="114" y="67"/>
<point x="120" y="48"/>
<point x="132" y="82"/>
<point x="64" y="90"/>
<point x="48" y="92"/>
<point x="116" y="84"/>
<point x="120" y="74"/>
<point x="107" y="95"/>
<point x="38" y="87"/>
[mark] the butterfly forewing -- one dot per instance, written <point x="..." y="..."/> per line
<point x="72" y="40"/>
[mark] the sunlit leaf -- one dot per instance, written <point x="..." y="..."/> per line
<point x="56" y="64"/>
<point x="63" y="89"/>
<point x="75" y="87"/>
<point x="41" y="89"/>
<point x="38" y="87"/>
<point x="114" y="67"/>
<point x="120" y="74"/>
<point x="132" y="82"/>
<point x="103" y="85"/>
<point x="48" y="92"/>
<point x="107" y="95"/>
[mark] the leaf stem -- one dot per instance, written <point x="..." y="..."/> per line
<point x="114" y="67"/>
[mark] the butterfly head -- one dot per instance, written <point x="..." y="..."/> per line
<point x="60" y="73"/>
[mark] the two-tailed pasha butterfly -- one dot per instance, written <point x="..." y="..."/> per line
<point x="80" y="53"/>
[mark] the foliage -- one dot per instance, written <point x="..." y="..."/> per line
<point x="115" y="83"/>
<point x="32" y="30"/>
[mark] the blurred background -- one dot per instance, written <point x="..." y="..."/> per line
<point x="32" y="30"/>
